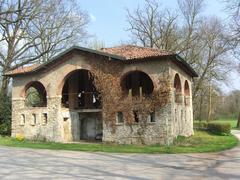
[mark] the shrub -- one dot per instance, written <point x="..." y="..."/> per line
<point x="19" y="137"/>
<point x="219" y="128"/>
<point x="5" y="115"/>
<point x="200" y="125"/>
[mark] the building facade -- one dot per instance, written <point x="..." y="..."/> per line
<point x="71" y="107"/>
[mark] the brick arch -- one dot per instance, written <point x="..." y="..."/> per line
<point x="79" y="91"/>
<point x="66" y="76"/>
<point x="145" y="79"/>
<point x="177" y="83"/>
<point x="36" y="84"/>
<point x="40" y="89"/>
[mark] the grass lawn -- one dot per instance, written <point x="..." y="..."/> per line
<point x="200" y="142"/>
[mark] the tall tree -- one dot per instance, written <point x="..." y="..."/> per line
<point x="202" y="41"/>
<point x="35" y="30"/>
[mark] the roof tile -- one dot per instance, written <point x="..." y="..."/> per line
<point x="130" y="52"/>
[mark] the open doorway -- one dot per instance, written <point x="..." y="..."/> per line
<point x="90" y="126"/>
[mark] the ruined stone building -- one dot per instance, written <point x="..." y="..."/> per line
<point x="81" y="95"/>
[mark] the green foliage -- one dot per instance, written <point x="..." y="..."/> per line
<point x="5" y="115"/>
<point x="219" y="128"/>
<point x="201" y="141"/>
<point x="231" y="121"/>
<point x="20" y="137"/>
<point x="200" y="125"/>
<point x="33" y="98"/>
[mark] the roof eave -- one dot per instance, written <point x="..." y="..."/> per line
<point x="181" y="60"/>
<point x="110" y="56"/>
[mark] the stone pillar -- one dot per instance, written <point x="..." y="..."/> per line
<point x="73" y="87"/>
<point x="54" y="119"/>
<point x="17" y="105"/>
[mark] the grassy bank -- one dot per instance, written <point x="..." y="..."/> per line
<point x="200" y="142"/>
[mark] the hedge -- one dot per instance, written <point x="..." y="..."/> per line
<point x="219" y="128"/>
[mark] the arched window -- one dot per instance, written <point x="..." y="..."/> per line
<point x="177" y="88"/>
<point x="186" y="93"/>
<point x="137" y="83"/>
<point x="35" y="95"/>
<point x="79" y="91"/>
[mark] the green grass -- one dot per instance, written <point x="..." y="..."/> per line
<point x="200" y="142"/>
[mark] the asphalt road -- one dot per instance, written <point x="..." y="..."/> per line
<point x="18" y="163"/>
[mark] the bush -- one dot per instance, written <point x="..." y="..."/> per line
<point x="20" y="137"/>
<point x="219" y="128"/>
<point x="200" y="125"/>
<point x="5" y="115"/>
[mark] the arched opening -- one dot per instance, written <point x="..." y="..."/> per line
<point x="186" y="89"/>
<point x="177" y="88"/>
<point x="79" y="91"/>
<point x="186" y="93"/>
<point x="35" y="95"/>
<point x="137" y="83"/>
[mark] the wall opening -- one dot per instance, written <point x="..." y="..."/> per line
<point x="79" y="91"/>
<point x="177" y="89"/>
<point x="34" y="120"/>
<point x="136" y="116"/>
<point x="35" y="95"/>
<point x="45" y="118"/>
<point x="119" y="117"/>
<point x="152" y="117"/>
<point x="22" y="120"/>
<point x="186" y="93"/>
<point x="137" y="83"/>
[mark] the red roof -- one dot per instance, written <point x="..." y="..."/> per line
<point x="122" y="53"/>
<point x="22" y="70"/>
<point x="130" y="52"/>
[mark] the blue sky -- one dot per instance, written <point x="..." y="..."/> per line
<point x="108" y="22"/>
<point x="108" y="17"/>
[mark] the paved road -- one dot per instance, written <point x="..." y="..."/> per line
<point x="24" y="164"/>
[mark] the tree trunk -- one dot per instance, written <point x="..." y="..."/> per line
<point x="209" y="104"/>
<point x="4" y="86"/>
<point x="200" y="109"/>
<point x="238" y="123"/>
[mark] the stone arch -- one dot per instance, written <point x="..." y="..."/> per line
<point x="35" y="94"/>
<point x="78" y="90"/>
<point x="177" y="83"/>
<point x="137" y="82"/>
<point x="186" y="89"/>
<point x="177" y="88"/>
<point x="186" y="93"/>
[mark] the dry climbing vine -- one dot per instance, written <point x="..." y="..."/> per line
<point x="107" y="77"/>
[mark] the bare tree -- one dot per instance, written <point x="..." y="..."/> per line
<point x="34" y="30"/>
<point x="153" y="27"/>
<point x="203" y="41"/>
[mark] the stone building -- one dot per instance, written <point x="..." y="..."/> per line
<point x="70" y="106"/>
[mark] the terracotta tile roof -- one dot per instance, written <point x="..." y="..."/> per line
<point x="22" y="70"/>
<point x="130" y="52"/>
